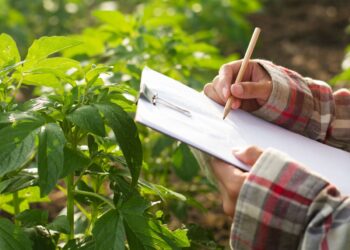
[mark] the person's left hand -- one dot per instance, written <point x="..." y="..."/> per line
<point x="230" y="179"/>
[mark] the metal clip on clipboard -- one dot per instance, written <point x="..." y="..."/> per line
<point x="153" y="98"/>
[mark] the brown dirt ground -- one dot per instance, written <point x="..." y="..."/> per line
<point x="307" y="36"/>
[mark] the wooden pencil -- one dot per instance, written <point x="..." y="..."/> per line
<point x="243" y="67"/>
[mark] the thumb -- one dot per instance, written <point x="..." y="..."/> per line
<point x="248" y="155"/>
<point x="252" y="90"/>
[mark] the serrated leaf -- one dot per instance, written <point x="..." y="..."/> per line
<point x="118" y="20"/>
<point x="126" y="134"/>
<point x="47" y="77"/>
<point x="12" y="237"/>
<point x="42" y="239"/>
<point x="17" y="145"/>
<point x="87" y="243"/>
<point x="33" y="217"/>
<point x="93" y="74"/>
<point x="45" y="46"/>
<point x="185" y="164"/>
<point x="88" y="118"/>
<point x="50" y="156"/>
<point x="73" y="161"/>
<point x="8" y="118"/>
<point x="146" y="233"/>
<point x="18" y="182"/>
<point x="49" y="71"/>
<point x="9" y="54"/>
<point x="56" y="63"/>
<point x="60" y="224"/>
<point x="48" y="80"/>
<point x="109" y="231"/>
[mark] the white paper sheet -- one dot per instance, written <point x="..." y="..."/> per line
<point x="207" y="131"/>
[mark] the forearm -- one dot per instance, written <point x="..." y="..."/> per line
<point x="282" y="205"/>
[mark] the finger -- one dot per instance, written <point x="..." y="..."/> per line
<point x="224" y="172"/>
<point x="236" y="103"/>
<point x="210" y="91"/>
<point x="228" y="204"/>
<point x="252" y="90"/>
<point x="249" y="155"/>
<point x="228" y="73"/>
<point x="220" y="88"/>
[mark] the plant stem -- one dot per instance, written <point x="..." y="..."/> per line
<point x="16" y="204"/>
<point x="102" y="198"/>
<point x="70" y="204"/>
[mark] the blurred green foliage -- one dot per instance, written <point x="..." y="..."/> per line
<point x="109" y="44"/>
<point x="219" y="22"/>
<point x="343" y="78"/>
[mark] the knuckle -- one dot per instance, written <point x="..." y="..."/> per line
<point x="224" y="68"/>
<point x="252" y="150"/>
<point x="342" y="91"/>
<point x="216" y="79"/>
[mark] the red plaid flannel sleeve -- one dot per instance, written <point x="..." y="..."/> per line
<point x="307" y="106"/>
<point x="281" y="204"/>
<point x="284" y="206"/>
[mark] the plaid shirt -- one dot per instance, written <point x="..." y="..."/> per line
<point x="281" y="204"/>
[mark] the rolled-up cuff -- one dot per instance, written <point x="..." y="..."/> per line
<point x="290" y="103"/>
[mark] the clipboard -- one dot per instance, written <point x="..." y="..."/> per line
<point x="162" y="100"/>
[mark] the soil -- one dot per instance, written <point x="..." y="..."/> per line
<point x="307" y="36"/>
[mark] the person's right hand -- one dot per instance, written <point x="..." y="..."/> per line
<point x="249" y="95"/>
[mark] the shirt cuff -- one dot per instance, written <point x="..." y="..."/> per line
<point x="290" y="103"/>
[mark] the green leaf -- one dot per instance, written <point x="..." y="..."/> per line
<point x="88" y="118"/>
<point x="93" y="74"/>
<point x="73" y="160"/>
<point x="87" y="243"/>
<point x="18" y="182"/>
<point x="33" y="217"/>
<point x="49" y="71"/>
<point x="45" y="46"/>
<point x="146" y="233"/>
<point x="109" y="231"/>
<point x="12" y="237"/>
<point x="185" y="164"/>
<point x="56" y="63"/>
<point x="118" y="20"/>
<point x="60" y="224"/>
<point x="46" y="77"/>
<point x="17" y="145"/>
<point x="42" y="240"/>
<point x="202" y="238"/>
<point x="126" y="134"/>
<point x="50" y="156"/>
<point x="9" y="54"/>
<point x="8" y="118"/>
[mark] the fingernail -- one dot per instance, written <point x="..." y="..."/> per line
<point x="237" y="151"/>
<point x="237" y="89"/>
<point x="234" y="150"/>
<point x="225" y="92"/>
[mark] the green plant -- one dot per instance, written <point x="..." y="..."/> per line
<point x="76" y="137"/>
<point x="344" y="77"/>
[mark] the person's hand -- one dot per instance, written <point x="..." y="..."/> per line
<point x="249" y="95"/>
<point x="230" y="179"/>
